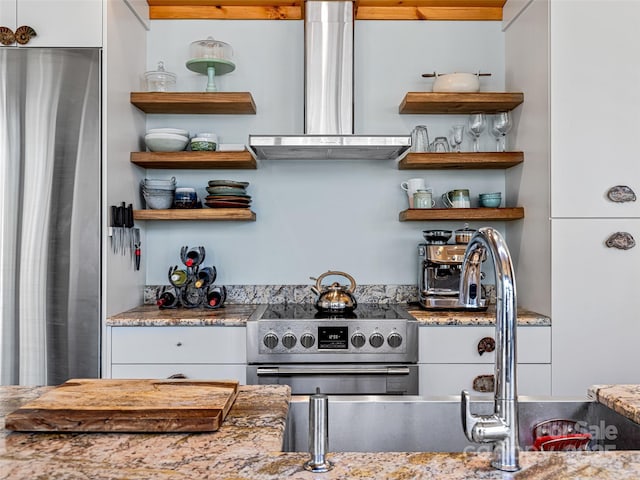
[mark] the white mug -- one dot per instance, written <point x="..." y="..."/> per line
<point x="423" y="199"/>
<point x="411" y="186"/>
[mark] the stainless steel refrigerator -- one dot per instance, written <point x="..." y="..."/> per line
<point x="50" y="200"/>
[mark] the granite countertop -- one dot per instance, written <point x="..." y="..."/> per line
<point x="470" y="318"/>
<point x="624" y="399"/>
<point x="151" y="316"/>
<point x="248" y="444"/>
<point x="236" y="315"/>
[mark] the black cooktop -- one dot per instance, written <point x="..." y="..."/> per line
<point x="306" y="311"/>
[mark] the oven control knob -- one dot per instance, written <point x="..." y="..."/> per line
<point x="289" y="340"/>
<point x="394" y="340"/>
<point x="358" y="339"/>
<point x="307" y="340"/>
<point x="270" y="341"/>
<point x="376" y="340"/>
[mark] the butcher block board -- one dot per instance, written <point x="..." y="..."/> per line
<point x="107" y="405"/>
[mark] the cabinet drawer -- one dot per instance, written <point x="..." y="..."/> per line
<point x="199" y="372"/>
<point x="178" y="345"/>
<point x="457" y="344"/>
<point x="451" y="379"/>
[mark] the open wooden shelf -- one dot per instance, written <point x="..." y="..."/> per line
<point x="460" y="160"/>
<point x="459" y="103"/>
<point x="234" y="103"/>
<point x="293" y="9"/>
<point x="211" y="214"/>
<point x="470" y="214"/>
<point x="195" y="160"/>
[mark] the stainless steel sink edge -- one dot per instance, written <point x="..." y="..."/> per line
<point x="430" y="423"/>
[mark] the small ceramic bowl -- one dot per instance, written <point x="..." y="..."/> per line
<point x="185" y="197"/>
<point x="200" y="144"/>
<point x="176" y="131"/>
<point x="159" y="202"/>
<point x="165" y="142"/>
<point x="492" y="202"/>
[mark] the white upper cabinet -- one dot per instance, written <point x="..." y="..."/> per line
<point x="57" y="23"/>
<point x="595" y="107"/>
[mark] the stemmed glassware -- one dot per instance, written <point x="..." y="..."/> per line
<point x="475" y="126"/>
<point x="500" y="126"/>
<point x="455" y="138"/>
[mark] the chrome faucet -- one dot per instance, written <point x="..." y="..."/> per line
<point x="501" y="427"/>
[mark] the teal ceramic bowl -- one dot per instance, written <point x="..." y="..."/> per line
<point x="490" y="202"/>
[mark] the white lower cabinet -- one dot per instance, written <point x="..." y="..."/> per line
<point x="450" y="361"/>
<point x="596" y="324"/>
<point x="208" y="352"/>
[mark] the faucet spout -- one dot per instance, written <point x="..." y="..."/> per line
<point x="501" y="427"/>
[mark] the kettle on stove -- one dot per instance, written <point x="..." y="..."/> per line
<point x="335" y="297"/>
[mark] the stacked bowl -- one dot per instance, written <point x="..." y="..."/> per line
<point x="166" y="139"/>
<point x="490" y="200"/>
<point x="158" y="194"/>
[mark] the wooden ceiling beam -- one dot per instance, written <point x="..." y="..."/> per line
<point x="293" y="9"/>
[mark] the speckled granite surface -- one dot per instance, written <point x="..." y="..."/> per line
<point x="237" y="315"/>
<point x="254" y="424"/>
<point x="255" y="294"/>
<point x="462" y="318"/>
<point x="152" y="316"/>
<point x="247" y="447"/>
<point x="624" y="399"/>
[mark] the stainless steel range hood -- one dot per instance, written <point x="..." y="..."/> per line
<point x="328" y="127"/>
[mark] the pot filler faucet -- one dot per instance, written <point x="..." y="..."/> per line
<point x="501" y="427"/>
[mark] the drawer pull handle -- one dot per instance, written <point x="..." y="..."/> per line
<point x="7" y="37"/>
<point x="179" y="344"/>
<point x="621" y="241"/>
<point x="24" y="34"/>
<point x="483" y="383"/>
<point x="621" y="194"/>
<point x="487" y="344"/>
<point x="177" y="376"/>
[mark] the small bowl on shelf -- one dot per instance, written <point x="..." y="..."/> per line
<point x="165" y="142"/>
<point x="185" y="197"/>
<point x="175" y="131"/>
<point x="490" y="200"/>
<point x="202" y="144"/>
<point x="159" y="201"/>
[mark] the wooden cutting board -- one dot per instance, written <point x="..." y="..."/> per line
<point x="106" y="405"/>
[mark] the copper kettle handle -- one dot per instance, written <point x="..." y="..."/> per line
<point x="352" y="287"/>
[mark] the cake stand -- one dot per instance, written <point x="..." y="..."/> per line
<point x="211" y="67"/>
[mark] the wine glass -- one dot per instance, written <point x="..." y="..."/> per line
<point x="500" y="126"/>
<point x="455" y="138"/>
<point x="475" y="126"/>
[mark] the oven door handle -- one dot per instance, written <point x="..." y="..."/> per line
<point x="276" y="371"/>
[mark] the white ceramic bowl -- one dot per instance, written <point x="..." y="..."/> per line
<point x="165" y="142"/>
<point x="457" y="82"/>
<point x="209" y="136"/>
<point x="160" y="181"/>
<point x="159" y="202"/>
<point x="176" y="131"/>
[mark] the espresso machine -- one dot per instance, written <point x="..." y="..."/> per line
<point x="439" y="266"/>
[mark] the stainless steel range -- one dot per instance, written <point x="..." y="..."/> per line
<point x="372" y="350"/>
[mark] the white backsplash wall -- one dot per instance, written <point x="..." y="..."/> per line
<point x="318" y="215"/>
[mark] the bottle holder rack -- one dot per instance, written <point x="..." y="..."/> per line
<point x="193" y="285"/>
